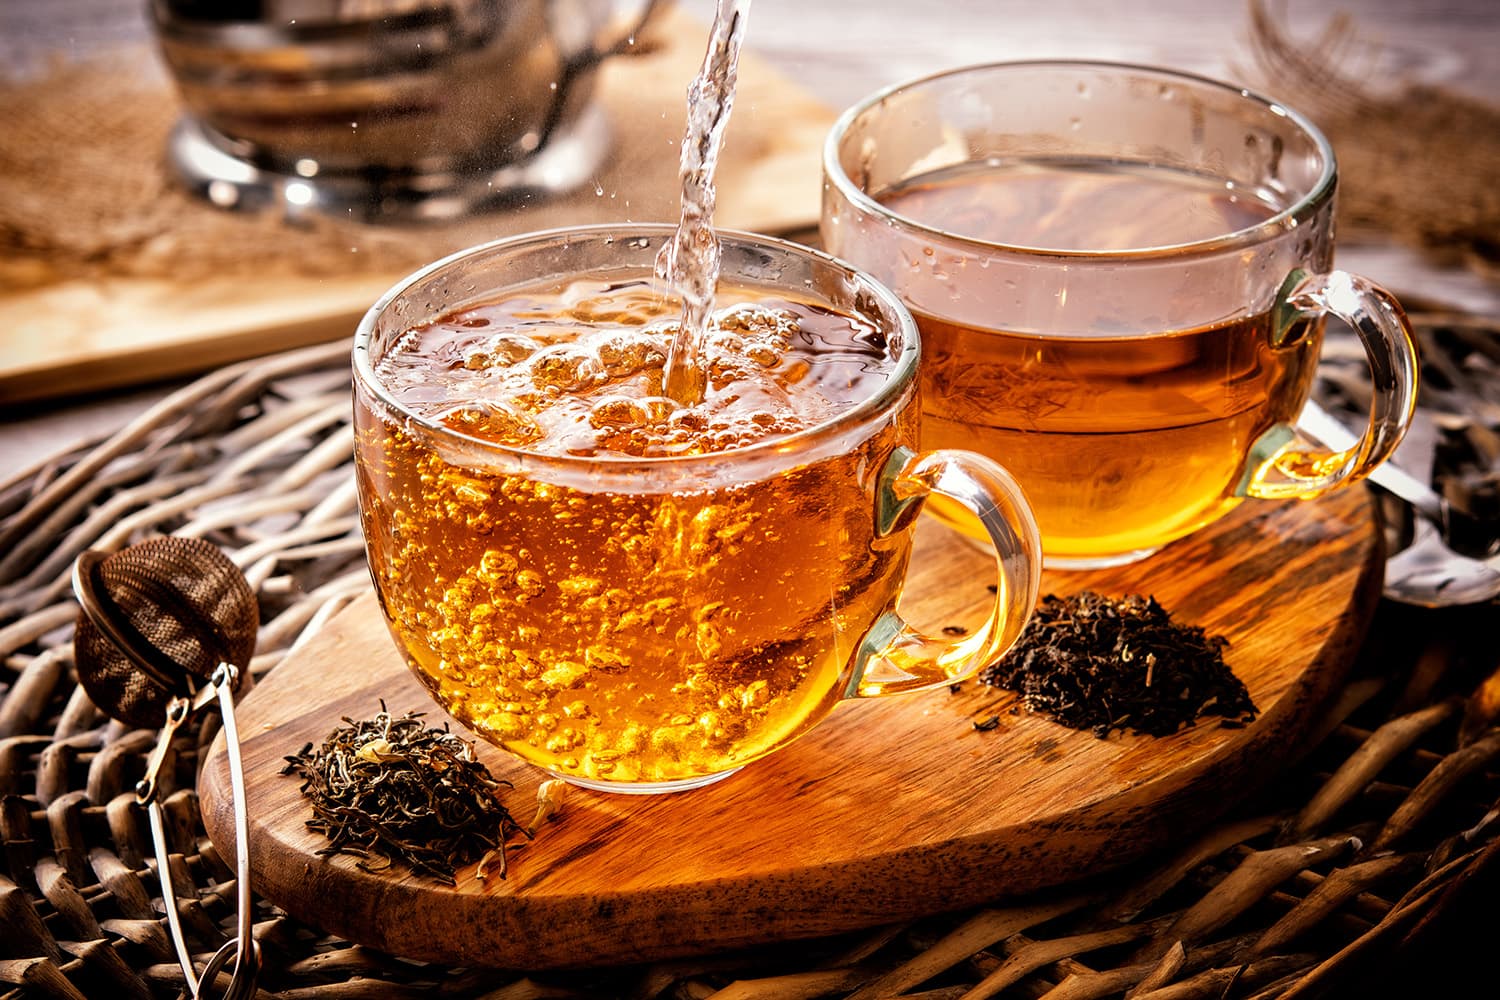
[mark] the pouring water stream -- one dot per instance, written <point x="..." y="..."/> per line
<point x="690" y="261"/>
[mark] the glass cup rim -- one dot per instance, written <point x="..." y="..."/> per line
<point x="1292" y="215"/>
<point x="796" y="445"/>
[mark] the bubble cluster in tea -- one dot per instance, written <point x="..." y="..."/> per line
<point x="581" y="374"/>
<point x="639" y="633"/>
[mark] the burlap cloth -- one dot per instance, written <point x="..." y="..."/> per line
<point x="85" y="190"/>
<point x="1416" y="162"/>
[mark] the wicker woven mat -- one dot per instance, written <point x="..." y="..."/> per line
<point x="1374" y="862"/>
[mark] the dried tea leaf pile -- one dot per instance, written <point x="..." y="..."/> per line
<point x="1103" y="664"/>
<point x="391" y="789"/>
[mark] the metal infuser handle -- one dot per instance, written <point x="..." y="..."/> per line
<point x="242" y="946"/>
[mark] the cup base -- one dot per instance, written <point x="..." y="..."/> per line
<point x="645" y="787"/>
<point x="1067" y="564"/>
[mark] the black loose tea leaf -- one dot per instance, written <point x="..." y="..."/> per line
<point x="1100" y="663"/>
<point x="389" y="789"/>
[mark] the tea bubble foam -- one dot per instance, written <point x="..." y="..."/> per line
<point x="580" y="373"/>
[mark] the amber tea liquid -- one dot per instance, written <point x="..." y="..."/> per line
<point x="1122" y="442"/>
<point x="621" y="635"/>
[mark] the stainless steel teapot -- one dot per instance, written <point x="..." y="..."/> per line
<point x="388" y="108"/>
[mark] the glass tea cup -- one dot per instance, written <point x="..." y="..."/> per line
<point x="652" y="619"/>
<point x="1121" y="276"/>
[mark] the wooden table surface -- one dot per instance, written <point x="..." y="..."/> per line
<point x="840" y="51"/>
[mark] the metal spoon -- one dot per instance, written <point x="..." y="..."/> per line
<point x="159" y="619"/>
<point x="1428" y="572"/>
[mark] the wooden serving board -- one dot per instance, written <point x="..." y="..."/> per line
<point x="890" y="809"/>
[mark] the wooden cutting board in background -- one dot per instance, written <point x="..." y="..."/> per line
<point x="86" y="334"/>
<point x="889" y="810"/>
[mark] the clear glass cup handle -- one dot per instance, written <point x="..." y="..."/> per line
<point x="894" y="656"/>
<point x="1285" y="464"/>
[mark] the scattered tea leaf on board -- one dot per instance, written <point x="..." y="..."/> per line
<point x="549" y="799"/>
<point x="1102" y="664"/>
<point x="392" y="789"/>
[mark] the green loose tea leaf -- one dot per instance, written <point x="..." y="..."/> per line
<point x="1100" y="663"/>
<point x="389" y="789"/>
